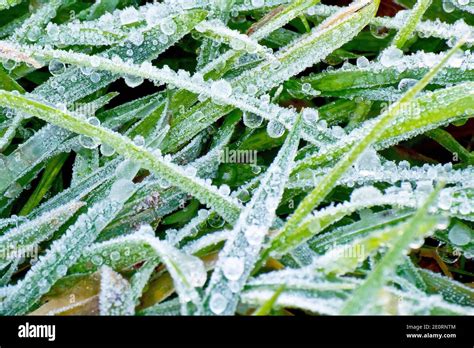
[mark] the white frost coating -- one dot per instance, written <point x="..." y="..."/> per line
<point x="402" y="196"/>
<point x="115" y="296"/>
<point x="62" y="254"/>
<point x="436" y="28"/>
<point x="391" y="172"/>
<point x="246" y="239"/>
<point x="294" y="299"/>
<point x="236" y="40"/>
<point x="226" y="206"/>
<point x="394" y="58"/>
<point x="189" y="230"/>
<point x="221" y="91"/>
<point x="188" y="272"/>
<point x="35" y="231"/>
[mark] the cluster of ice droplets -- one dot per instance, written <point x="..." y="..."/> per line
<point x="114" y="296"/>
<point x="393" y="58"/>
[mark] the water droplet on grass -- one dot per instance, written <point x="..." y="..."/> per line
<point x="275" y="129"/>
<point x="233" y="267"/>
<point x="251" y="120"/>
<point x="217" y="303"/>
<point x="56" y="67"/>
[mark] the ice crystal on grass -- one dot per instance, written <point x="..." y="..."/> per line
<point x="115" y="296"/>
<point x="281" y="155"/>
<point x="240" y="253"/>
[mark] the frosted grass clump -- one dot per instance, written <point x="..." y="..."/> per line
<point x="260" y="167"/>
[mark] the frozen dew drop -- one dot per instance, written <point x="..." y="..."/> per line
<point x="107" y="150"/>
<point x="243" y="196"/>
<point x="310" y="115"/>
<point x="163" y="39"/>
<point x="445" y="200"/>
<point x="217" y="303"/>
<point x="443" y="223"/>
<point x="233" y="268"/>
<point x="275" y="129"/>
<point x="56" y="67"/>
<point x="365" y="193"/>
<point x="463" y="2"/>
<point x="237" y="44"/>
<point x="133" y="81"/>
<point x="368" y="161"/>
<point x="306" y="87"/>
<point x="33" y="34"/>
<point x="448" y="6"/>
<point x="254" y="234"/>
<point x="221" y="88"/>
<point x="256" y="169"/>
<point x="406" y="84"/>
<point x="52" y="30"/>
<point x="258" y="3"/>
<point x="88" y="142"/>
<point x="95" y="77"/>
<point x="139" y="140"/>
<point x="379" y="32"/>
<point x="312" y="11"/>
<point x="417" y="243"/>
<point x="62" y="270"/>
<point x="391" y="57"/>
<point x="315" y="226"/>
<point x="86" y="70"/>
<point x="456" y="60"/>
<point x="203" y="213"/>
<point x="460" y="234"/>
<point x="362" y="62"/>
<point x="9" y="64"/>
<point x="43" y="285"/>
<point x="251" y="120"/>
<point x="168" y="27"/>
<point x="93" y="121"/>
<point x="136" y="37"/>
<point x="164" y="184"/>
<point x="252" y="89"/>
<point x="224" y="190"/>
<point x="424" y="187"/>
<point x="129" y="15"/>
<point x="115" y="255"/>
<point x="97" y="260"/>
<point x="215" y="221"/>
<point x="121" y="189"/>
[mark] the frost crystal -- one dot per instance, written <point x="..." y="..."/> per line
<point x="157" y="209"/>
<point x="391" y="57"/>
